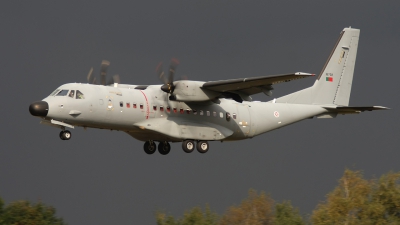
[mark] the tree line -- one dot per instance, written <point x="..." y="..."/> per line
<point x="354" y="200"/>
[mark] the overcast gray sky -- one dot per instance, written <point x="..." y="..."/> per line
<point x="104" y="177"/>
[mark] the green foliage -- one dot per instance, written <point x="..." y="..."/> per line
<point x="25" y="213"/>
<point x="195" y="216"/>
<point x="285" y="214"/>
<point x="354" y="201"/>
<point x="358" y="201"/>
<point x="256" y="209"/>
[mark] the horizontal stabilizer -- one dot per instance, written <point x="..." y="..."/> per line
<point x="353" y="109"/>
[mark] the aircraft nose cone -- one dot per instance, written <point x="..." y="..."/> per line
<point x="39" y="108"/>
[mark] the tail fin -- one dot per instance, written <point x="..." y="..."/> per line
<point x="333" y="85"/>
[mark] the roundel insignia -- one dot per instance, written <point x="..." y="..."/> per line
<point x="276" y="114"/>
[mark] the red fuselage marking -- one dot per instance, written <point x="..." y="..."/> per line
<point x="147" y="106"/>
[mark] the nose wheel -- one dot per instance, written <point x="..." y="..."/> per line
<point x="65" y="135"/>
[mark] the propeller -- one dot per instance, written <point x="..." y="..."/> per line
<point x="168" y="86"/>
<point x="103" y="73"/>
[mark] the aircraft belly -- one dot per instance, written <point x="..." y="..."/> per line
<point x="183" y="129"/>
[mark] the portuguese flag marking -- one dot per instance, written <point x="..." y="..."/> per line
<point x="330" y="79"/>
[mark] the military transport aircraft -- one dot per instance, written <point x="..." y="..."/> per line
<point x="196" y="112"/>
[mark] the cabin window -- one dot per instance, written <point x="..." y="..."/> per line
<point x="141" y="106"/>
<point x="228" y="116"/>
<point x="154" y="107"/>
<point x="208" y="113"/>
<point x="168" y="109"/>
<point x="188" y="111"/>
<point x="128" y="105"/>
<point x="79" y="95"/>
<point x="194" y="112"/>
<point x="234" y="116"/>
<point x="71" y="94"/>
<point x="221" y="115"/>
<point x="201" y="112"/>
<point x="54" y="92"/>
<point x="134" y="105"/>
<point x="175" y="111"/>
<point x="121" y="104"/>
<point x="214" y="114"/>
<point x="162" y="108"/>
<point x="63" y="93"/>
<point x="181" y="111"/>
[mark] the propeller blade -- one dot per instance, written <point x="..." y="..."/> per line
<point x="103" y="71"/>
<point x="160" y="73"/>
<point x="114" y="79"/>
<point x="90" y="77"/>
<point x="168" y="86"/>
<point x="172" y="70"/>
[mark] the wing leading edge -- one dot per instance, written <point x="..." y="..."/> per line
<point x="252" y="85"/>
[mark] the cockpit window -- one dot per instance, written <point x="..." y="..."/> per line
<point x="71" y="94"/>
<point x="63" y="93"/>
<point x="79" y="95"/>
<point x="54" y="92"/>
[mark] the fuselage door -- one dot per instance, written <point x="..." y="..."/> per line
<point x="244" y="119"/>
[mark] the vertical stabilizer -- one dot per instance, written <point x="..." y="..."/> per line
<point x="333" y="85"/>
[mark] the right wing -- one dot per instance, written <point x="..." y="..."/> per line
<point x="252" y="85"/>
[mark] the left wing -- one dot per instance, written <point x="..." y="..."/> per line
<point x="252" y="85"/>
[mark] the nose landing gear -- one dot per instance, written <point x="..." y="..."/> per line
<point x="65" y="135"/>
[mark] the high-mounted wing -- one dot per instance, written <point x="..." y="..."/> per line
<point x="252" y="85"/>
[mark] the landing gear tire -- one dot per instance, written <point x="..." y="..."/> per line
<point x="202" y="146"/>
<point x="65" y="135"/>
<point x="149" y="147"/>
<point x="164" y="148"/>
<point x="188" y="146"/>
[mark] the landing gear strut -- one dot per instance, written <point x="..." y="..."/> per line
<point x="164" y="148"/>
<point x="65" y="135"/>
<point x="149" y="147"/>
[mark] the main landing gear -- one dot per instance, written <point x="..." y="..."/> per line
<point x="65" y="135"/>
<point x="164" y="147"/>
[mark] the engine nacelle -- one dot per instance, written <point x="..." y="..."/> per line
<point x="191" y="91"/>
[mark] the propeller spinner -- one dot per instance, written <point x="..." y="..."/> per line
<point x="168" y="86"/>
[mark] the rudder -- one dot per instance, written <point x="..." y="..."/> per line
<point x="333" y="85"/>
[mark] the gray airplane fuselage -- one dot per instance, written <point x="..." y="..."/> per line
<point x="195" y="112"/>
<point x="114" y="108"/>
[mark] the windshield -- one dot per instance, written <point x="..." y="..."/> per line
<point x="62" y="93"/>
<point x="54" y="92"/>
